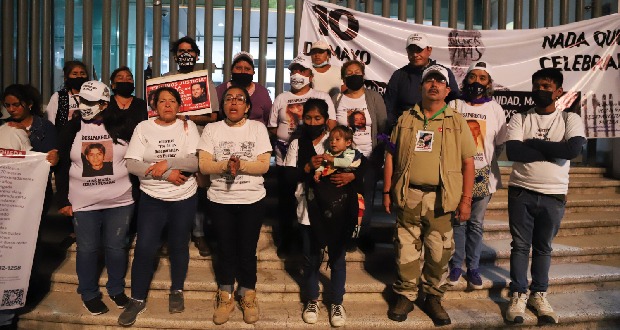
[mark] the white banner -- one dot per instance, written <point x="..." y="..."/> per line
<point x="23" y="178"/>
<point x="587" y="52"/>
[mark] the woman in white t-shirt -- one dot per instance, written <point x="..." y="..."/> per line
<point x="487" y="122"/>
<point x="235" y="153"/>
<point x="363" y="110"/>
<point x="162" y="153"/>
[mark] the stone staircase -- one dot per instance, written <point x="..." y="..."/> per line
<point x="584" y="277"/>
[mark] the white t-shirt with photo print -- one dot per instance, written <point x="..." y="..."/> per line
<point x="101" y="183"/>
<point x="152" y="143"/>
<point x="358" y="107"/>
<point x="286" y="113"/>
<point x="246" y="142"/>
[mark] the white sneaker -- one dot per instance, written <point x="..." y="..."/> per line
<point x="338" y="316"/>
<point x="538" y="301"/>
<point x="311" y="312"/>
<point x="516" y="310"/>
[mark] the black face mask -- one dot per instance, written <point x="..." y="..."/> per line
<point x="542" y="98"/>
<point x="241" y="79"/>
<point x="312" y="131"/>
<point x="354" y="82"/>
<point x="124" y="89"/>
<point x="186" y="62"/>
<point x="474" y="89"/>
<point x="75" y="83"/>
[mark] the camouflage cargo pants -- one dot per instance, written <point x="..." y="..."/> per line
<point x="422" y="223"/>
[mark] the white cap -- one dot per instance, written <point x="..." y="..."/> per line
<point x="319" y="44"/>
<point x="302" y="60"/>
<point x="4" y="113"/>
<point x="418" y="39"/>
<point x="95" y="91"/>
<point x="436" y="68"/>
<point x="480" y="65"/>
<point x="244" y="55"/>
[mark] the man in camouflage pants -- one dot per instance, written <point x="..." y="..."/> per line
<point x="430" y="173"/>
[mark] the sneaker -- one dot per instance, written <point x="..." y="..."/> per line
<point x="176" y="303"/>
<point x="121" y="300"/>
<point x="516" y="310"/>
<point x="399" y="311"/>
<point x="201" y="244"/>
<point x="539" y="303"/>
<point x="96" y="306"/>
<point x="473" y="279"/>
<point x="249" y="306"/>
<point x="338" y="316"/>
<point x="224" y="305"/>
<point x="131" y="312"/>
<point x="455" y="275"/>
<point x="311" y="312"/>
<point x="434" y="310"/>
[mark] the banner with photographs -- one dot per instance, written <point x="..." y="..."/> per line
<point x="23" y="177"/>
<point x="587" y="52"/>
<point x="193" y="87"/>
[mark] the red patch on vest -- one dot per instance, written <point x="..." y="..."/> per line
<point x="440" y="129"/>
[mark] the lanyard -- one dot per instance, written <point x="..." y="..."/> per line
<point x="433" y="117"/>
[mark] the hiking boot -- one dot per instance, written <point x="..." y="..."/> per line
<point x="176" y="302"/>
<point x="516" y="310"/>
<point x="311" y="312"/>
<point x="201" y="244"/>
<point x="224" y="305"/>
<point x="399" y="311"/>
<point x="337" y="316"/>
<point x="433" y="308"/>
<point x="95" y="306"/>
<point x="474" y="279"/>
<point x="455" y="275"/>
<point x="121" y="300"/>
<point x="249" y="306"/>
<point x="539" y="303"/>
<point x="131" y="312"/>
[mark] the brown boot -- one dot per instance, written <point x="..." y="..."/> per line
<point x="249" y="306"/>
<point x="433" y="308"/>
<point x="224" y="305"/>
<point x="398" y="312"/>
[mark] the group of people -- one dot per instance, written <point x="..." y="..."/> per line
<point x="435" y="147"/>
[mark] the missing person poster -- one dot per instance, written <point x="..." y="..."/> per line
<point x="193" y="87"/>
<point x="23" y="178"/>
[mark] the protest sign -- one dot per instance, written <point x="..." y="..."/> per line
<point x="23" y="178"/>
<point x="587" y="52"/>
<point x="193" y="88"/>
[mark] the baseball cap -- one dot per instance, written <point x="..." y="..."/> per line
<point x="95" y="91"/>
<point x="243" y="56"/>
<point x="319" y="44"/>
<point x="417" y="39"/>
<point x="435" y="68"/>
<point x="480" y="65"/>
<point x="302" y="60"/>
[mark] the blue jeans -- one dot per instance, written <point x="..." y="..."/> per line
<point x="534" y="220"/>
<point x="312" y="262"/>
<point x="91" y="228"/>
<point x="468" y="236"/>
<point x="153" y="216"/>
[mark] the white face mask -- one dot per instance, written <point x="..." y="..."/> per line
<point x="299" y="81"/>
<point x="89" y="113"/>
<point x="321" y="64"/>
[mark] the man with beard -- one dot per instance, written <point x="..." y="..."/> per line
<point x="430" y="184"/>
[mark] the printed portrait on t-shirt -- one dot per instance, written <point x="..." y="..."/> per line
<point x="357" y="120"/>
<point x="199" y="92"/>
<point x="97" y="158"/>
<point x="294" y="112"/>
<point x="477" y="128"/>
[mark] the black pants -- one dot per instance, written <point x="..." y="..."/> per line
<point x="287" y="204"/>
<point x="237" y="228"/>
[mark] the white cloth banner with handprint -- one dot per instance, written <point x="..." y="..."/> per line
<point x="587" y="52"/>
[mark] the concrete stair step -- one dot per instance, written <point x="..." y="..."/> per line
<point x="574" y="203"/>
<point x="367" y="284"/>
<point x="578" y="185"/>
<point x="61" y="311"/>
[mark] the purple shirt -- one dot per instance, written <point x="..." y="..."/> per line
<point x="261" y="102"/>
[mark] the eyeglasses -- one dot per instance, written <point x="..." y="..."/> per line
<point x="433" y="79"/>
<point x="230" y="98"/>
